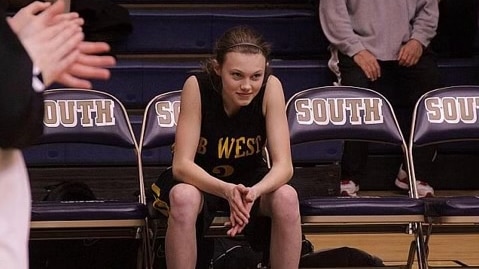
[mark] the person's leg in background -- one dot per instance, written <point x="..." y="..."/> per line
<point x="415" y="81"/>
<point x="15" y="207"/>
<point x="354" y="159"/>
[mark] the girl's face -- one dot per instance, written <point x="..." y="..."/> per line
<point x="242" y="75"/>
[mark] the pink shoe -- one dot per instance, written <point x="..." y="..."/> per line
<point x="349" y="188"/>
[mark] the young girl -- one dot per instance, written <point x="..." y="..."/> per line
<point x="228" y="113"/>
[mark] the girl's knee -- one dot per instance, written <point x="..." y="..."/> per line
<point x="286" y="194"/>
<point x="184" y="194"/>
<point x="284" y="202"/>
<point x="185" y="202"/>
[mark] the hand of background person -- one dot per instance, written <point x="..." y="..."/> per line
<point x="410" y="53"/>
<point x="368" y="63"/>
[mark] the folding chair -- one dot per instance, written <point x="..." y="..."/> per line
<point x="93" y="119"/>
<point x="355" y="114"/>
<point x="443" y="116"/>
<point x="158" y="131"/>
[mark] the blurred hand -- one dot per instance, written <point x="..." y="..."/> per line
<point x="50" y="37"/>
<point x="24" y="16"/>
<point x="88" y="65"/>
<point x="368" y="63"/>
<point x="54" y="41"/>
<point x="410" y="53"/>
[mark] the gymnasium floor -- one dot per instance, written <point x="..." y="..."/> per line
<point x="446" y="250"/>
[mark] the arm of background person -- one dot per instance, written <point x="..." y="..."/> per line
<point x="426" y="21"/>
<point x="424" y="27"/>
<point x="336" y="25"/>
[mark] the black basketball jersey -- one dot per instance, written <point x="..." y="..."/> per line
<point x="230" y="148"/>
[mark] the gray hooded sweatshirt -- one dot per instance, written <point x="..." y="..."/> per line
<point x="380" y="26"/>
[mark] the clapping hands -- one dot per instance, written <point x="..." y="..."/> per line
<point x="54" y="41"/>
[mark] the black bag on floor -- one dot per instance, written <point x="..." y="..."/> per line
<point x="340" y="257"/>
<point x="69" y="191"/>
<point x="232" y="253"/>
<point x="237" y="253"/>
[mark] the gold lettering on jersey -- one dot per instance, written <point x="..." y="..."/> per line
<point x="452" y="109"/>
<point x="167" y="113"/>
<point x="225" y="145"/>
<point x="87" y="113"/>
<point x="223" y="170"/>
<point x="238" y="147"/>
<point x="202" y="146"/>
<point x="339" y="111"/>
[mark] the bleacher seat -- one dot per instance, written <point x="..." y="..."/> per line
<point x="136" y="81"/>
<point x="194" y="31"/>
<point x="459" y="71"/>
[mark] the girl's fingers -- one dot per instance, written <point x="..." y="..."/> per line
<point x="240" y="211"/>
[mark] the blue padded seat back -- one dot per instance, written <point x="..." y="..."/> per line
<point x="86" y="116"/>
<point x="342" y="113"/>
<point x="159" y="121"/>
<point x="446" y="115"/>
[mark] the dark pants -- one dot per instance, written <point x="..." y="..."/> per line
<point x="402" y="86"/>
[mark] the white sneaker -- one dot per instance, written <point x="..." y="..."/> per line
<point x="423" y="188"/>
<point x="349" y="188"/>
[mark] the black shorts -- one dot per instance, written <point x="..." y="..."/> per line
<point x="257" y="231"/>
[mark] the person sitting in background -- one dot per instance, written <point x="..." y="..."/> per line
<point x="39" y="45"/>
<point x="383" y="45"/>
<point x="228" y="113"/>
